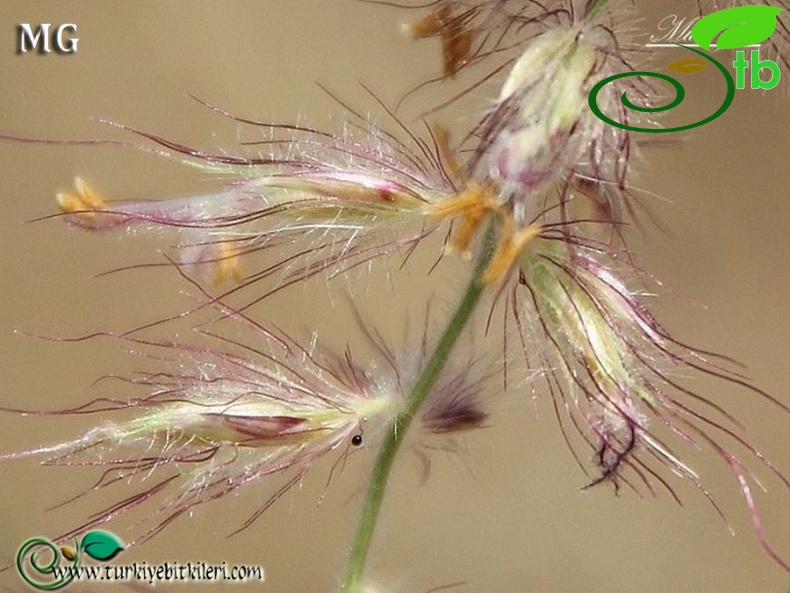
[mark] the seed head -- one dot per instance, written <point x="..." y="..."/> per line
<point x="343" y="199"/>
<point x="617" y="372"/>
<point x="212" y="421"/>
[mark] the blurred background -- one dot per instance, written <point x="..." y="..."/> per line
<point x="506" y="511"/>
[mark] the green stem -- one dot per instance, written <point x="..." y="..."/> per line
<point x="401" y="423"/>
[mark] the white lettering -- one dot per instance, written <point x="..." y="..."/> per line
<point x="674" y="30"/>
<point x="72" y="43"/>
<point x="26" y="36"/>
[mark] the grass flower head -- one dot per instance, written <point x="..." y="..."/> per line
<point x="344" y="200"/>
<point x="214" y="420"/>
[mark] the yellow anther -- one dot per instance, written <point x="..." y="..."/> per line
<point x="89" y="197"/>
<point x="455" y="32"/>
<point x="84" y="203"/>
<point x="511" y="245"/>
<point x="228" y="265"/>
<point x="472" y="206"/>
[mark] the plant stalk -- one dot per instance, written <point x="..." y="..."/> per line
<point x="389" y="448"/>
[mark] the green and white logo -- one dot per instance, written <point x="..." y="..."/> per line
<point x="738" y="27"/>
<point x="99" y="545"/>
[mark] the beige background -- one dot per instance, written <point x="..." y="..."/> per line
<point x="507" y="513"/>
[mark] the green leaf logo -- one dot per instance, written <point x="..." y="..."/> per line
<point x="688" y="66"/>
<point x="101" y="545"/>
<point x="739" y="26"/>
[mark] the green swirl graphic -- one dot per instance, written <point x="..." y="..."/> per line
<point x="29" y="547"/>
<point x="680" y="95"/>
